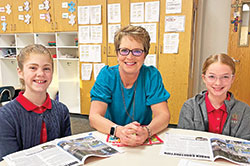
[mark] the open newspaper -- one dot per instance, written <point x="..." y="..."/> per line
<point x="197" y="147"/>
<point x="61" y="152"/>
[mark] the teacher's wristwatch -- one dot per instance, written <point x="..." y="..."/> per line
<point x="113" y="130"/>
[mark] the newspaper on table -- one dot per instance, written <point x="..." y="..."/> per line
<point x="62" y="152"/>
<point x="199" y="147"/>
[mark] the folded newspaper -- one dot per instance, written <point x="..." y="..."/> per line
<point x="197" y="147"/>
<point x="62" y="152"/>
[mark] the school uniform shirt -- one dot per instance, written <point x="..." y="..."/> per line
<point x="146" y="91"/>
<point x="194" y="116"/>
<point x="21" y="129"/>
<point x="216" y="117"/>
<point x="29" y="106"/>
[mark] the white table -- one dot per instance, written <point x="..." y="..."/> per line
<point x="147" y="155"/>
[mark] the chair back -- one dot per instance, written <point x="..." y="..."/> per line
<point x="6" y="93"/>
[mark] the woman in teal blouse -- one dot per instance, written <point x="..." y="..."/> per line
<point x="126" y="96"/>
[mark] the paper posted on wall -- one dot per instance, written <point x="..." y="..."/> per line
<point x="62" y="152"/>
<point x="198" y="147"/>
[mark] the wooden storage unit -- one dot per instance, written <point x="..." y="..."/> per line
<point x="44" y="18"/>
<point x="86" y="85"/>
<point x="21" y="22"/>
<point x="65" y="78"/>
<point x="64" y="9"/>
<point x="7" y="18"/>
<point x="68" y="70"/>
<point x="124" y="21"/>
<point x="59" y="13"/>
<point x="176" y="69"/>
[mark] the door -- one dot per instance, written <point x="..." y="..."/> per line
<point x="176" y="66"/>
<point x="240" y="51"/>
<point x="65" y="15"/>
<point x="23" y="18"/>
<point x="43" y="15"/>
<point x="6" y="17"/>
<point x="92" y="14"/>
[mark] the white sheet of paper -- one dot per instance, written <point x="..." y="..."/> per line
<point x="83" y="34"/>
<point x="96" y="34"/>
<point x="151" y="28"/>
<point x="112" y="28"/>
<point x="41" y="6"/>
<point x="171" y="43"/>
<point x="173" y="6"/>
<point x="96" y="14"/>
<point x="186" y="162"/>
<point x="152" y="11"/>
<point x="86" y="71"/>
<point x="90" y="53"/>
<point x="137" y="12"/>
<point x="2" y="9"/>
<point x="20" y="17"/>
<point x="97" y="68"/>
<point x="3" y="18"/>
<point x="186" y="146"/>
<point x="150" y="60"/>
<point x="20" y="8"/>
<point x="114" y="13"/>
<point x="174" y="23"/>
<point x="42" y="16"/>
<point x="83" y="14"/>
<point x="64" y="5"/>
<point x="65" y="15"/>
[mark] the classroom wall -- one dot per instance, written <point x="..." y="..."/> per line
<point x="212" y="34"/>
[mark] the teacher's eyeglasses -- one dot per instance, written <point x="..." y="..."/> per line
<point x="126" y="51"/>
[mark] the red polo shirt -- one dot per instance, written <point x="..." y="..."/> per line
<point x="29" y="106"/>
<point x="216" y="117"/>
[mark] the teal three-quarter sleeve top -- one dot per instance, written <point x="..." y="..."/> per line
<point x="147" y="90"/>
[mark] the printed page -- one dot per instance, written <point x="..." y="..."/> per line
<point x="150" y="60"/>
<point x="83" y="14"/>
<point x="174" y="23"/>
<point x="173" y="6"/>
<point x="42" y="155"/>
<point x="137" y="12"/>
<point x="152" y="30"/>
<point x="152" y="11"/>
<point x="90" y="53"/>
<point x="114" y="13"/>
<point x="97" y="69"/>
<point x="171" y="43"/>
<point x="81" y="148"/>
<point x="86" y="71"/>
<point x="96" y="34"/>
<point x="235" y="151"/>
<point x="112" y="28"/>
<point x="186" y="146"/>
<point x="95" y="14"/>
<point x="84" y="34"/>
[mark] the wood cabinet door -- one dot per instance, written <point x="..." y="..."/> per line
<point x="65" y="15"/>
<point x="241" y="54"/>
<point x="6" y="16"/>
<point x="151" y="29"/>
<point x="44" y="19"/>
<point x="112" y="24"/>
<point x="175" y="68"/>
<point x="23" y="17"/>
<point x="86" y="85"/>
